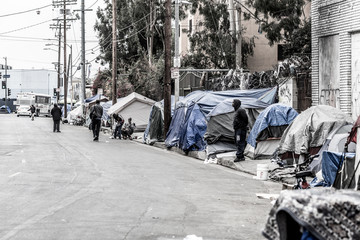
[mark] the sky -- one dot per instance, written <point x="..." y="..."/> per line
<point x="25" y="31"/>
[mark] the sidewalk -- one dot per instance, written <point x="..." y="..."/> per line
<point x="248" y="166"/>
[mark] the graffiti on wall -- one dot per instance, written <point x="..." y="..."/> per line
<point x="285" y="94"/>
<point x="330" y="96"/>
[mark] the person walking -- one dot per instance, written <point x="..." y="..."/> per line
<point x="32" y="109"/>
<point x="96" y="113"/>
<point x="240" y="127"/>
<point x="56" y="115"/>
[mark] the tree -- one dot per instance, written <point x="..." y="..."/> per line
<point x="210" y="46"/>
<point x="139" y="38"/>
<point x="284" y="21"/>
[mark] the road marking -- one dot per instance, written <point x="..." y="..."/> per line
<point x="15" y="174"/>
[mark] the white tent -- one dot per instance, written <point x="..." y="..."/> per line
<point x="135" y="106"/>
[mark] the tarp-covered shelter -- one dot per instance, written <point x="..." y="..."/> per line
<point x="190" y="120"/>
<point x="135" y="106"/>
<point x="268" y="129"/>
<point x="335" y="142"/>
<point x="154" y="130"/>
<point x="308" y="132"/>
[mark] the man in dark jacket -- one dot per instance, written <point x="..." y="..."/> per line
<point x="96" y="113"/>
<point x="56" y="115"/>
<point x="240" y="126"/>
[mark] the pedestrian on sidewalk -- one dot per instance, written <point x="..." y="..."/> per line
<point x="96" y="113"/>
<point x="56" y="115"/>
<point x="240" y="127"/>
<point x="32" y="109"/>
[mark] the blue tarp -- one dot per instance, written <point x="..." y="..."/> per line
<point x="90" y="99"/>
<point x="6" y="107"/>
<point x="187" y="129"/>
<point x="195" y="128"/>
<point x="331" y="161"/>
<point x="274" y="115"/>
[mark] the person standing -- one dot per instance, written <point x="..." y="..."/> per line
<point x="56" y="115"/>
<point x="240" y="127"/>
<point x="96" y="113"/>
<point x="32" y="109"/>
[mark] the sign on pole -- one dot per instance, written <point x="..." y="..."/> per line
<point x="175" y="73"/>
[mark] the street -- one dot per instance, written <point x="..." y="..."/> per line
<point x="65" y="186"/>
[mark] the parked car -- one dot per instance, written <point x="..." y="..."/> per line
<point x="23" y="111"/>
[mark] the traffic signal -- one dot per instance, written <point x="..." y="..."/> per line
<point x="3" y="85"/>
<point x="9" y="91"/>
<point x="0" y="75"/>
<point x="55" y="92"/>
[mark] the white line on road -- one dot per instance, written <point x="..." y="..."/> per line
<point x="15" y="174"/>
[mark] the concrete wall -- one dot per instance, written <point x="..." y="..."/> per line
<point x="332" y="20"/>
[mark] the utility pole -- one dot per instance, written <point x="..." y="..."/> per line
<point x="177" y="54"/>
<point x="5" y="77"/>
<point x="114" y="53"/>
<point x="65" y="75"/>
<point x="239" y="37"/>
<point x="167" y="78"/>
<point x="58" y="66"/>
<point x="83" y="82"/>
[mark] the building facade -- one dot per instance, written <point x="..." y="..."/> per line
<point x="265" y="57"/>
<point x="30" y="80"/>
<point x="336" y="54"/>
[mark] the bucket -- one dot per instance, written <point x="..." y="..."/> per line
<point x="262" y="171"/>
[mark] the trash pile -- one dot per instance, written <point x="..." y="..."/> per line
<point x="238" y="79"/>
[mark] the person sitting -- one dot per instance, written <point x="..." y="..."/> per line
<point x="128" y="129"/>
<point x="119" y="121"/>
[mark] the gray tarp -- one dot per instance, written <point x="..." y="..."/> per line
<point x="311" y="128"/>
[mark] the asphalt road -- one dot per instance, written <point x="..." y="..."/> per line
<point x="65" y="186"/>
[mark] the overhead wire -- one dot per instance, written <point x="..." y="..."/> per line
<point x="26" y="27"/>
<point x="34" y="9"/>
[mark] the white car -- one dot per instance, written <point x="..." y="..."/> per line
<point x="23" y="111"/>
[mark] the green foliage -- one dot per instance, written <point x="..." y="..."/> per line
<point x="133" y="31"/>
<point x="213" y="44"/>
<point x="284" y="22"/>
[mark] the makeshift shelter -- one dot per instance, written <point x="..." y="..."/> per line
<point x="136" y="106"/>
<point x="308" y="132"/>
<point x="268" y="129"/>
<point x="74" y="114"/>
<point x="154" y="130"/>
<point x="335" y="142"/>
<point x="5" y="109"/>
<point x="190" y="121"/>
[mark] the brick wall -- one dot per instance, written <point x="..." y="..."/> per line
<point x="334" y="17"/>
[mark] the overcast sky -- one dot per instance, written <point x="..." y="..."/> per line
<point x="25" y="29"/>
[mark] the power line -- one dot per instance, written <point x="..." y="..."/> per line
<point x="12" y="14"/>
<point x="26" y="27"/>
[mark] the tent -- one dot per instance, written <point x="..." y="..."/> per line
<point x="154" y="130"/>
<point x="308" y="132"/>
<point x="265" y="135"/>
<point x="5" y="109"/>
<point x="136" y="106"/>
<point x="335" y="142"/>
<point x="190" y="121"/>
